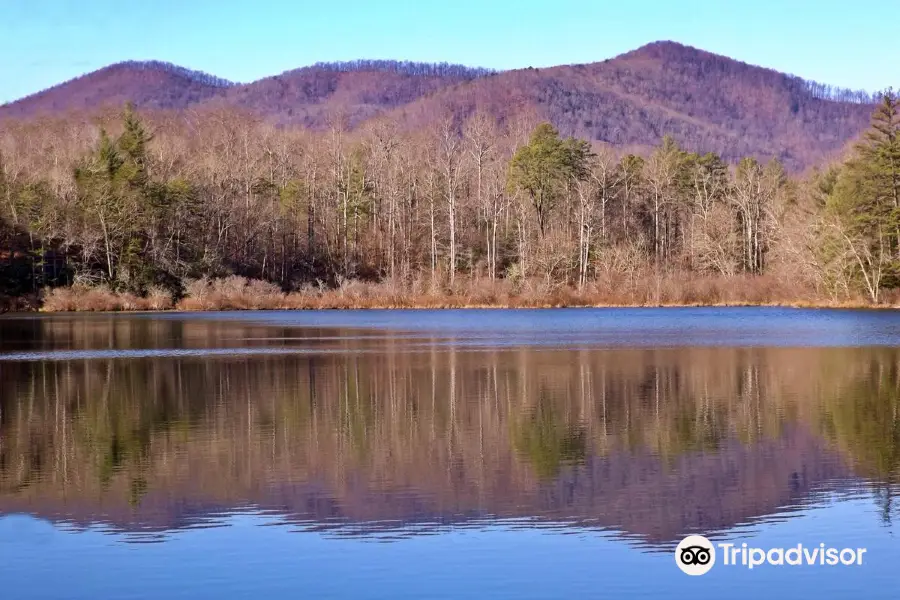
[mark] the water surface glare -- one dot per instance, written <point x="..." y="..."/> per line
<point x="445" y="454"/>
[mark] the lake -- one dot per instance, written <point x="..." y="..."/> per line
<point x="447" y="454"/>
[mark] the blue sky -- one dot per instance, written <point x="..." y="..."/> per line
<point x="43" y="42"/>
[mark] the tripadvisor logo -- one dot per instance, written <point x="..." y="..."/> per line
<point x="696" y="555"/>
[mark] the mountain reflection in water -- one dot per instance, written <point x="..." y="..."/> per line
<point x="374" y="433"/>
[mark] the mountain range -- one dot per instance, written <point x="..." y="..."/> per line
<point x="706" y="101"/>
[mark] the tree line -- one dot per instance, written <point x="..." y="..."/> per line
<point x="825" y="91"/>
<point x="137" y="202"/>
<point x="405" y="67"/>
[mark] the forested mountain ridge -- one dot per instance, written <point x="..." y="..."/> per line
<point x="146" y="84"/>
<point x="353" y="91"/>
<point x="706" y="102"/>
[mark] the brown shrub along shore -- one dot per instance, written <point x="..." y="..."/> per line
<point x="239" y="293"/>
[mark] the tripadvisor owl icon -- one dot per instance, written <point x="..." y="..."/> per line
<point x="695" y="555"/>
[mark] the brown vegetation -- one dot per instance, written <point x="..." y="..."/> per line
<point x="239" y="293"/>
<point x="666" y="291"/>
<point x="101" y="298"/>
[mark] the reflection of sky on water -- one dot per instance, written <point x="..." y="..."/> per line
<point x="474" y="329"/>
<point x="612" y="326"/>
<point x="259" y="556"/>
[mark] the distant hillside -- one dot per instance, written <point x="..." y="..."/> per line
<point x="149" y="84"/>
<point x="355" y="91"/>
<point x="706" y="101"/>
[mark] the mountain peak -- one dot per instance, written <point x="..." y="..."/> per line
<point x="662" y="49"/>
<point x="148" y="84"/>
<point x="668" y="51"/>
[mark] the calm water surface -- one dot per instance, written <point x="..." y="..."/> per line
<point x="445" y="454"/>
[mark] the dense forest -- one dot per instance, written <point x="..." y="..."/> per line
<point x="469" y="210"/>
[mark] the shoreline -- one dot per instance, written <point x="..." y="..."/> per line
<point x="240" y="293"/>
<point x="474" y="306"/>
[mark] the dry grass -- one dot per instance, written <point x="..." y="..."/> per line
<point x="101" y="298"/>
<point x="231" y="293"/>
<point x="239" y="293"/>
<point x="616" y="292"/>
